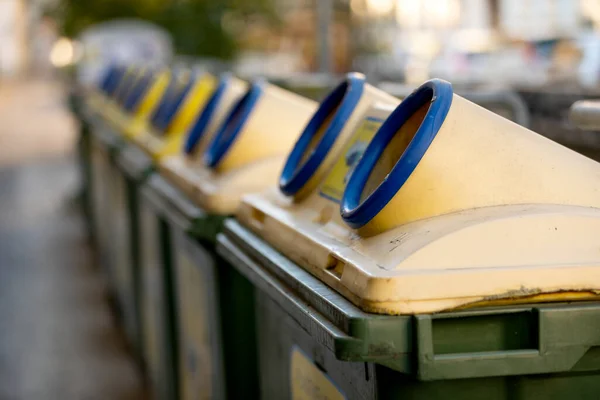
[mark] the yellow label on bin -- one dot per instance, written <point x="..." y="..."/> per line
<point x="308" y="382"/>
<point x="335" y="183"/>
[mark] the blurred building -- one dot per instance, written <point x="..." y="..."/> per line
<point x="303" y="37"/>
<point x="472" y="41"/>
<point x="121" y="41"/>
<point x="13" y="37"/>
<point x="26" y="37"/>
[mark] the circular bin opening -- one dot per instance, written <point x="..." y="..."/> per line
<point x="395" y="151"/>
<point x="116" y="81"/>
<point x="137" y="91"/>
<point x="199" y="127"/>
<point x="124" y="87"/>
<point x="163" y="105"/>
<point x="233" y="125"/>
<point x="107" y="77"/>
<point x="320" y="134"/>
<point x="172" y="107"/>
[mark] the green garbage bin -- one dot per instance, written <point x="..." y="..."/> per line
<point x="369" y="297"/>
<point x="201" y="309"/>
<point x="314" y="343"/>
<point x="151" y="272"/>
<point x="204" y="303"/>
<point x="111" y="216"/>
<point x="98" y="146"/>
<point x="84" y="157"/>
<point x="157" y="302"/>
<point x="132" y="168"/>
<point x="105" y="144"/>
<point x="117" y="214"/>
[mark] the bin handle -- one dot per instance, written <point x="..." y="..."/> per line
<point x="544" y="359"/>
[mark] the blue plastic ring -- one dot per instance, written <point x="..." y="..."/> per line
<point x="199" y="127"/>
<point x="137" y="92"/>
<point x="107" y="86"/>
<point x="345" y="97"/>
<point x="233" y="124"/>
<point x="130" y="81"/>
<point x="125" y="86"/>
<point x="158" y="112"/>
<point x="172" y="106"/>
<point x="436" y="91"/>
<point x="106" y="78"/>
<point x="115" y="81"/>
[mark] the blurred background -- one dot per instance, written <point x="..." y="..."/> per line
<point x="515" y="42"/>
<point x="530" y="47"/>
<point x="545" y="54"/>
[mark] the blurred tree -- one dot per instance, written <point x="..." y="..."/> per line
<point x="199" y="27"/>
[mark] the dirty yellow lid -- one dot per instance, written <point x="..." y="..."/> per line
<point x="449" y="206"/>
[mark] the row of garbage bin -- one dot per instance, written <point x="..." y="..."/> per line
<point x="259" y="244"/>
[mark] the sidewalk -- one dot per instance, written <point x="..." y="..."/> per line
<point x="34" y="122"/>
<point x="58" y="339"/>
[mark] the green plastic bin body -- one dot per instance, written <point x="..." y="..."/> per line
<point x="158" y="307"/>
<point x="316" y="344"/>
<point x="213" y="305"/>
<point x="116" y="170"/>
<point x="200" y="356"/>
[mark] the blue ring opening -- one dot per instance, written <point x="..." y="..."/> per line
<point x="138" y="91"/>
<point x="165" y="100"/>
<point x="106" y="78"/>
<point x="173" y="106"/>
<point x="170" y="101"/>
<point x="439" y="93"/>
<point x="130" y="81"/>
<point x="205" y="116"/>
<point x="125" y="87"/>
<point x="344" y="97"/>
<point x="115" y="81"/>
<point x="108" y="87"/>
<point x="126" y="91"/>
<point x="233" y="124"/>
